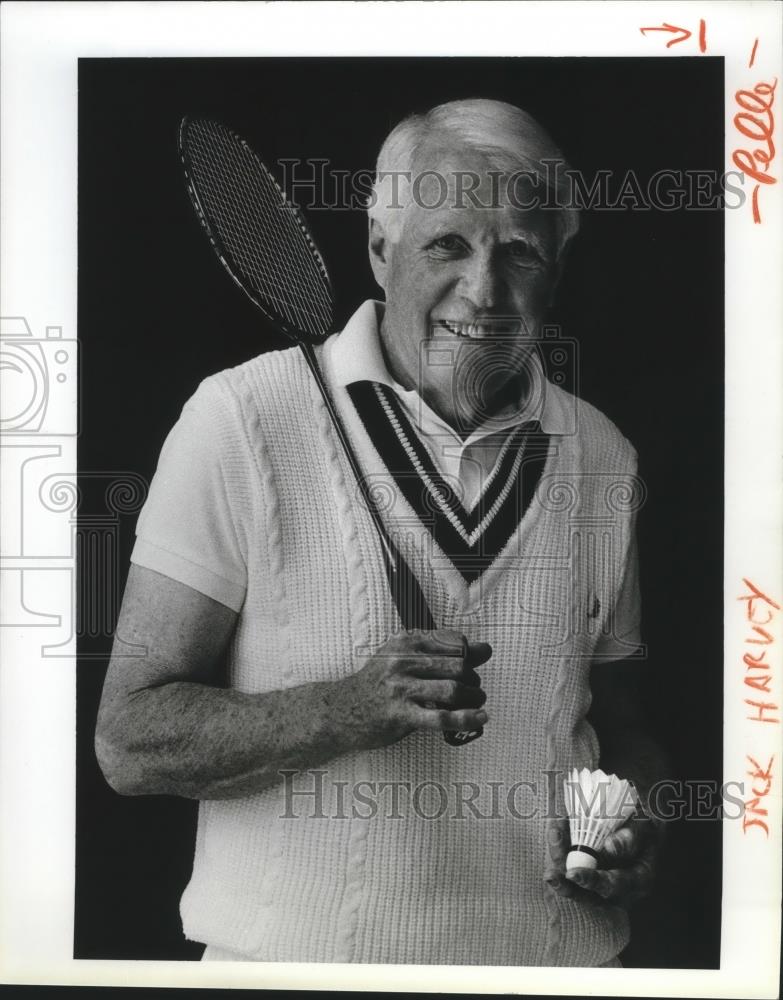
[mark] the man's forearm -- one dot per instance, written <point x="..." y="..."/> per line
<point x="202" y="742"/>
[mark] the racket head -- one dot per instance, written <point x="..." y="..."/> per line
<point x="259" y="236"/>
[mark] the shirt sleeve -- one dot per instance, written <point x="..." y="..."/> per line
<point x="623" y="636"/>
<point x="186" y="529"/>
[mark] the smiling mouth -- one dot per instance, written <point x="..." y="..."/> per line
<point x="484" y="329"/>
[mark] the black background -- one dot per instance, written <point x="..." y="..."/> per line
<point x="642" y="297"/>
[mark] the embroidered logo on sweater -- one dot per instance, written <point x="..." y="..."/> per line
<point x="473" y="539"/>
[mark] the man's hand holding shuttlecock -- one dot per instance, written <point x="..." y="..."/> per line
<point x="621" y="848"/>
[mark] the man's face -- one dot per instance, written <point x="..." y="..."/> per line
<point x="466" y="288"/>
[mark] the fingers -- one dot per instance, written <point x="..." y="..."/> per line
<point x="628" y="856"/>
<point x="558" y="843"/>
<point x="558" y="840"/>
<point x="461" y="720"/>
<point x="622" y="884"/>
<point x="436" y="667"/>
<point x="628" y="860"/>
<point x="478" y="653"/>
<point x="624" y="846"/>
<point x="446" y="642"/>
<point x="561" y="885"/>
<point x="449" y="694"/>
<point x="442" y="643"/>
<point x="445" y="668"/>
<point x="620" y="848"/>
<point x="431" y="680"/>
<point x="423" y="665"/>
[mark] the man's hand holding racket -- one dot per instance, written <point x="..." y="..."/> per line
<point x="415" y="680"/>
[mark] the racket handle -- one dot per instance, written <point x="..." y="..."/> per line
<point x="460" y="738"/>
<point x="414" y="612"/>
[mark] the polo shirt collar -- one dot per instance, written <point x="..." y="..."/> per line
<point x="356" y="356"/>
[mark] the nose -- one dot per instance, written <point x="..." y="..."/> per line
<point x="480" y="283"/>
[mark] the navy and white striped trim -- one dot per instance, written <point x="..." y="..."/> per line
<point x="471" y="539"/>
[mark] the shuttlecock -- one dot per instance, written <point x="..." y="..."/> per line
<point x="597" y="805"/>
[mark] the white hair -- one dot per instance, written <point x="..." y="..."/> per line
<point x="510" y="139"/>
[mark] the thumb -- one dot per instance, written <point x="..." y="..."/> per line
<point x="558" y="842"/>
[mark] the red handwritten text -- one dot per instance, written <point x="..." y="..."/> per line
<point x="682" y="34"/>
<point x="761" y="783"/>
<point x="760" y="613"/>
<point x="755" y="121"/>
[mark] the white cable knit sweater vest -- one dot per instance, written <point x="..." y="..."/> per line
<point x="405" y="888"/>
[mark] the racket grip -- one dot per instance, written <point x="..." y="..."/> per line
<point x="414" y="612"/>
<point x="460" y="738"/>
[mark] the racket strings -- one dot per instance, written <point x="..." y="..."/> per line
<point x="258" y="228"/>
<point x="257" y="209"/>
<point x="255" y="203"/>
<point x="272" y="229"/>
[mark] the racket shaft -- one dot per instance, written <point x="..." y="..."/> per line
<point x="408" y="596"/>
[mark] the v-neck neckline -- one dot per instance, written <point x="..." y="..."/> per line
<point x="472" y="539"/>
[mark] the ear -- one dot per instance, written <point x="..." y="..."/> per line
<point x="379" y="247"/>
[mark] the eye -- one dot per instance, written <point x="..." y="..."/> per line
<point x="522" y="252"/>
<point x="449" y="245"/>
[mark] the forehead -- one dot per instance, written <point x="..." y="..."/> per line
<point x="452" y="187"/>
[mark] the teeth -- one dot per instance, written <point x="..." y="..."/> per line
<point x="473" y="331"/>
<point x="476" y="331"/>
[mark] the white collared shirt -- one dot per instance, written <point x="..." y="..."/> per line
<point x="466" y="464"/>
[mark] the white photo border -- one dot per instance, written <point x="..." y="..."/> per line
<point x="41" y="43"/>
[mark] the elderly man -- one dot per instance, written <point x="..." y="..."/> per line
<point x="259" y="665"/>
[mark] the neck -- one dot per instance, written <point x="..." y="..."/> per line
<point x="468" y="410"/>
<point x="463" y="410"/>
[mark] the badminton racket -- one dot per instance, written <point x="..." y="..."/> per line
<point x="263" y="243"/>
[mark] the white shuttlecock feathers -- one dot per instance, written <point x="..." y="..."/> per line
<point x="597" y="805"/>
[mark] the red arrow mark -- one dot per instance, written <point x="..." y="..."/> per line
<point x="684" y="36"/>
